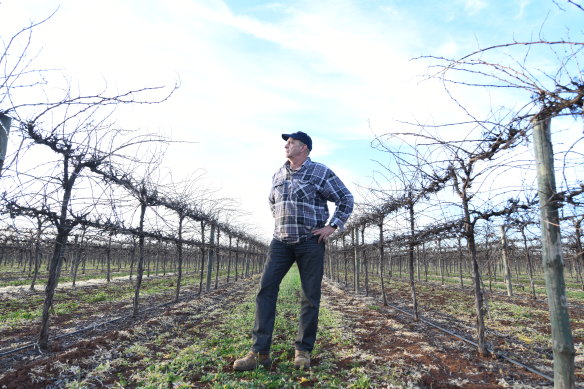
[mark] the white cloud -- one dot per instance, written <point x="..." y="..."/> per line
<point x="474" y="6"/>
<point x="328" y="72"/>
<point x="327" y="67"/>
<point x="523" y="4"/>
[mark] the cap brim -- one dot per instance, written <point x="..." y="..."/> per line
<point x="285" y="136"/>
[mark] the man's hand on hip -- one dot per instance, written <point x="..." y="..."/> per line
<point x="323" y="233"/>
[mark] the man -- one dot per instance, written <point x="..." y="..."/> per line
<point x="298" y="199"/>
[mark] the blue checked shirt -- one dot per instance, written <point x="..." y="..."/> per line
<point x="299" y="200"/>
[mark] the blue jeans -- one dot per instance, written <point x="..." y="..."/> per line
<point x="309" y="257"/>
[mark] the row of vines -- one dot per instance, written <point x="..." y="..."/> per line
<point x="487" y="200"/>
<point x="82" y="194"/>
<point x="474" y="200"/>
<point x="507" y="265"/>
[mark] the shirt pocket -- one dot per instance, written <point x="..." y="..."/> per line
<point x="304" y="190"/>
<point x="280" y="190"/>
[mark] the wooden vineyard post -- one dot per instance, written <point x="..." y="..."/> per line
<point x="217" y="257"/>
<point x="552" y="261"/>
<point x="140" y="269"/>
<point x="411" y="247"/>
<point x="179" y="253"/>
<point x="211" y="254"/>
<point x="506" y="265"/>
<point x="236" y="257"/>
<point x="229" y="255"/>
<point x="327" y="261"/>
<point x="381" y="265"/>
<point x="346" y="260"/>
<point x="4" y="130"/>
<point x="203" y="252"/>
<point x="579" y="251"/>
<point x="529" y="264"/>
<point x="365" y="261"/>
<point x="355" y="238"/>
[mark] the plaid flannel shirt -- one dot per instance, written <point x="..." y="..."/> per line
<point x="299" y="200"/>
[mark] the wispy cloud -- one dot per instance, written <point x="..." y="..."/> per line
<point x="474" y="6"/>
<point x="341" y="70"/>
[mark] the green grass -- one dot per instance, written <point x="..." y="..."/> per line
<point x="506" y="316"/>
<point x="521" y="321"/>
<point x="24" y="309"/>
<point x="16" y="311"/>
<point x="19" y="316"/>
<point x="575" y="294"/>
<point x="521" y="284"/>
<point x="209" y="358"/>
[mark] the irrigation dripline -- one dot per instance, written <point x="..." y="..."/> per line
<point x="91" y="327"/>
<point x="498" y="354"/>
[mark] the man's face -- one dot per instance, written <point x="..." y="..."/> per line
<point x="293" y="147"/>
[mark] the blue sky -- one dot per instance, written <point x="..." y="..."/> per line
<point x="252" y="70"/>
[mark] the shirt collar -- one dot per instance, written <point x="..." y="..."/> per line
<point x="304" y="164"/>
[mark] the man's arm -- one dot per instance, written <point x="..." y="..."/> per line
<point x="272" y="202"/>
<point x="336" y="192"/>
<point x="272" y="196"/>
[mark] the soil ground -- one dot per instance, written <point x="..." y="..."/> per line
<point x="389" y="347"/>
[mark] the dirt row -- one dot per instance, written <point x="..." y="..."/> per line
<point x="522" y="338"/>
<point x="70" y="358"/>
<point x="391" y="349"/>
<point x="416" y="353"/>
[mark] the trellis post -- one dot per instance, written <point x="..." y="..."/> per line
<point x="552" y="261"/>
<point x="4" y="130"/>
<point x="355" y="239"/>
<point x="506" y="264"/>
<point x="211" y="255"/>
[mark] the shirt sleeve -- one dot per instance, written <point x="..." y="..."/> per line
<point x="335" y="191"/>
<point x="272" y="198"/>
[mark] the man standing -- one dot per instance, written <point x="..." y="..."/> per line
<point x="298" y="199"/>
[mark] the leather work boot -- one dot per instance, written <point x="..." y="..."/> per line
<point x="251" y="361"/>
<point x="301" y="359"/>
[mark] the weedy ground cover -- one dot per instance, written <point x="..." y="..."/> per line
<point x="81" y="307"/>
<point x="520" y="316"/>
<point x="210" y="357"/>
<point x="361" y="342"/>
<point x="521" y="283"/>
<point x="22" y="308"/>
<point x="518" y="325"/>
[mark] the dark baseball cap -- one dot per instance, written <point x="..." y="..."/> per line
<point x="301" y="136"/>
